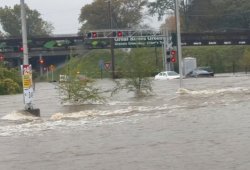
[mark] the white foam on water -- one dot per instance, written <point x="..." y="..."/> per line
<point x="39" y="127"/>
<point x="73" y="103"/>
<point x="113" y="103"/>
<point x="19" y="115"/>
<point x="116" y="112"/>
<point x="86" y="118"/>
<point x="73" y="115"/>
<point x="213" y="91"/>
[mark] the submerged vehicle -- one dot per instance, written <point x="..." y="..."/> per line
<point x="167" y="75"/>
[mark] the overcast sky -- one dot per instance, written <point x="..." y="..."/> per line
<point x="63" y="14"/>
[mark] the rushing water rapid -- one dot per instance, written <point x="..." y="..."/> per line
<point x="204" y="125"/>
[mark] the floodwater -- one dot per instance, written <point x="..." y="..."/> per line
<point x="204" y="126"/>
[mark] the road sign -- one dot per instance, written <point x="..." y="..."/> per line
<point x="101" y="64"/>
<point x="52" y="67"/>
<point x="27" y="83"/>
<point x="107" y="65"/>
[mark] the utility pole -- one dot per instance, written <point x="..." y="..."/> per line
<point x="177" y="16"/>
<point x="24" y="34"/>
<point x="111" y="40"/>
<point x="26" y="69"/>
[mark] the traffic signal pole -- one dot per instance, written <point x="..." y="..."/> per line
<point x="111" y="42"/>
<point x="177" y="16"/>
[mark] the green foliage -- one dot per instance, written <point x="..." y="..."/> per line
<point x="10" y="19"/>
<point x="207" y="15"/>
<point x="137" y="68"/>
<point x="221" y="58"/>
<point x="124" y="13"/>
<point x="10" y="81"/>
<point x="8" y="86"/>
<point x="89" y="65"/>
<point x="245" y="62"/>
<point x="160" y="7"/>
<point x="77" y="90"/>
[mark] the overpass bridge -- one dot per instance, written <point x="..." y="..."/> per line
<point x="56" y="48"/>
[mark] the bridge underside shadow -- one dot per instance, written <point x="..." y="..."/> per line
<point x="55" y="56"/>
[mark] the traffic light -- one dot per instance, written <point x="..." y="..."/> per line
<point x="173" y="59"/>
<point x="92" y="35"/>
<point x="173" y="56"/>
<point x="119" y="34"/>
<point x="20" y="49"/>
<point x="173" y="52"/>
<point x="1" y="57"/>
<point x="41" y="61"/>
<point x="89" y="35"/>
<point x="168" y="55"/>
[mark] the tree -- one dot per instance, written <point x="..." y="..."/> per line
<point x="137" y="69"/>
<point x="1" y="34"/>
<point x="207" y="15"/>
<point x="163" y="7"/>
<point x="124" y="14"/>
<point x="10" y="19"/>
<point x="77" y="88"/>
<point x="170" y="24"/>
<point x="10" y="81"/>
<point x="234" y="16"/>
<point x="201" y="13"/>
<point x="160" y="7"/>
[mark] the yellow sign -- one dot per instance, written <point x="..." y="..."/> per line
<point x="27" y="77"/>
<point x="52" y="67"/>
<point x="26" y="82"/>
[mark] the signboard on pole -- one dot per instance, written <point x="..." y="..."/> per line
<point x="107" y="65"/>
<point x="126" y="42"/>
<point x="27" y="83"/>
<point x="134" y="42"/>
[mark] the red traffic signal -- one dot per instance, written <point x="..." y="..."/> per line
<point x="173" y="52"/>
<point x="94" y="34"/>
<point x="173" y="59"/>
<point x="21" y="49"/>
<point x="1" y="57"/>
<point x="91" y="35"/>
<point x="119" y="34"/>
<point x="41" y="61"/>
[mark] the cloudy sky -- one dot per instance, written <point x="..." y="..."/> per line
<point x="63" y="14"/>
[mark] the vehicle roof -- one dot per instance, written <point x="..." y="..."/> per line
<point x="167" y="71"/>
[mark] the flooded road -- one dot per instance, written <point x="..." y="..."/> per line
<point x="205" y="125"/>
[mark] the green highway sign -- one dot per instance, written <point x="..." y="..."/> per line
<point x="133" y="42"/>
<point x="126" y="42"/>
